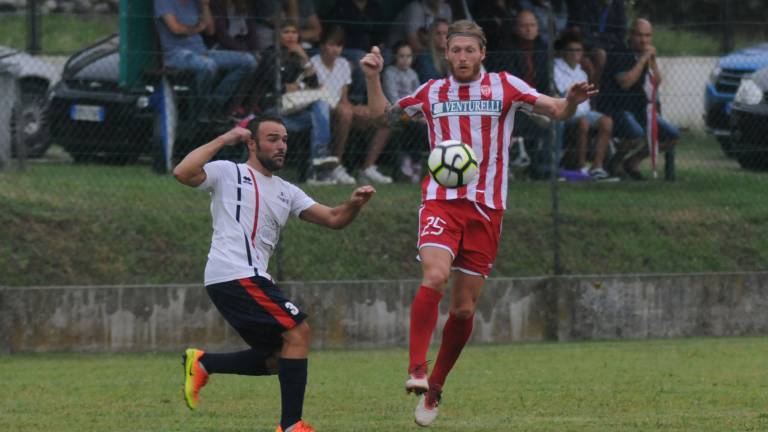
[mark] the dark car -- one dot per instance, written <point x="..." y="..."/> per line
<point x="749" y="121"/>
<point x="91" y="116"/>
<point x="720" y="90"/>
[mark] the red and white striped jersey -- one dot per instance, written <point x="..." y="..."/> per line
<point x="481" y="114"/>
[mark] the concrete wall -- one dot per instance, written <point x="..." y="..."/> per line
<point x="375" y="313"/>
<point x="682" y="89"/>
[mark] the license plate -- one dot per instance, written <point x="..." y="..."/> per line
<point x="91" y="113"/>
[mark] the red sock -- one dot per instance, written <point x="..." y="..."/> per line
<point x="424" y="311"/>
<point x="455" y="335"/>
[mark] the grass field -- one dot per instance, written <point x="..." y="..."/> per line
<point x="670" y="385"/>
<point x="95" y="224"/>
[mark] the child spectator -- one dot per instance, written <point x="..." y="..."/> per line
<point x="567" y="71"/>
<point x="335" y="74"/>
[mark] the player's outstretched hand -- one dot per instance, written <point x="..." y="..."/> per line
<point x="237" y="134"/>
<point x="580" y="92"/>
<point x="361" y="195"/>
<point x="372" y="63"/>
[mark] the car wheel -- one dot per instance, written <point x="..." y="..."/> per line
<point x="30" y="120"/>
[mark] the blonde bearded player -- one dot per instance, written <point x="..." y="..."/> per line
<point x="459" y="228"/>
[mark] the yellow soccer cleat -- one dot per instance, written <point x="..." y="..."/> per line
<point x="195" y="377"/>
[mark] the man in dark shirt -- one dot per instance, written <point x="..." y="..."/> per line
<point x="629" y="75"/>
<point x="602" y="25"/>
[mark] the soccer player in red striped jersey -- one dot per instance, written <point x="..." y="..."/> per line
<point x="249" y="205"/>
<point x="459" y="228"/>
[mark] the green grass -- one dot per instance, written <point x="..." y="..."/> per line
<point x="91" y="224"/>
<point x="670" y="385"/>
<point x="61" y="34"/>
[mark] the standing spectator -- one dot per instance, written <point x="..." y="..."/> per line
<point x="269" y="13"/>
<point x="497" y="18"/>
<point x="603" y="27"/>
<point x="541" y="9"/>
<point x="399" y="81"/>
<point x="180" y="24"/>
<point x="528" y="61"/>
<point x="334" y="73"/>
<point x="567" y="73"/>
<point x="431" y="64"/>
<point x="629" y="74"/>
<point x="296" y="74"/>
<point x="413" y="23"/>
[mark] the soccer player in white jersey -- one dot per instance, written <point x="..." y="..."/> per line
<point x="459" y="228"/>
<point x="250" y="204"/>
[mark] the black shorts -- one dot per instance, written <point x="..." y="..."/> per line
<point x="257" y="309"/>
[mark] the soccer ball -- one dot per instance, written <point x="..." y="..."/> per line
<point x="452" y="164"/>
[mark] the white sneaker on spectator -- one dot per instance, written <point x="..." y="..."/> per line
<point x="372" y="174"/>
<point x="320" y="179"/>
<point x="339" y="175"/>
<point x="325" y="162"/>
<point x="598" y="174"/>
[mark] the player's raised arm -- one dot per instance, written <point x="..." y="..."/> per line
<point x="342" y="215"/>
<point x="372" y="64"/>
<point x="190" y="170"/>
<point x="564" y="108"/>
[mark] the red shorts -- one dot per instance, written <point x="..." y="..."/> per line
<point x="469" y="230"/>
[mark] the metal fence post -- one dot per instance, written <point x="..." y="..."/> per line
<point x="9" y="88"/>
<point x="557" y="267"/>
<point x="33" y="27"/>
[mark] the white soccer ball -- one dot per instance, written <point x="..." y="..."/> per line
<point x="452" y="164"/>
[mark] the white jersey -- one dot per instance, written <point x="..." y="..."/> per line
<point x="480" y="113"/>
<point x="248" y="210"/>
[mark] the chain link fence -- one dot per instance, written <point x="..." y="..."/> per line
<point x="585" y="196"/>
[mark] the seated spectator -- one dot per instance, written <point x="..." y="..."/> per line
<point x="413" y="23"/>
<point x="431" y="64"/>
<point x="630" y="75"/>
<point x="497" y="18"/>
<point x="334" y="73"/>
<point x="528" y="61"/>
<point x="296" y="74"/>
<point x="541" y="9"/>
<point x="364" y="19"/>
<point x="567" y="72"/>
<point x="603" y="27"/>
<point x="399" y="81"/>
<point x="180" y="24"/>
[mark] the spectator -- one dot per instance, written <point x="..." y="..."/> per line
<point x="180" y="24"/>
<point x="603" y="27"/>
<point x="567" y="72"/>
<point x="431" y="64"/>
<point x="399" y="81"/>
<point x="235" y="28"/>
<point x="269" y="13"/>
<point x="334" y="73"/>
<point x="541" y="9"/>
<point x="630" y="73"/>
<point x="413" y="23"/>
<point x="297" y="73"/>
<point x="528" y="61"/>
<point x="303" y="12"/>
<point x="364" y="19"/>
<point x="497" y="18"/>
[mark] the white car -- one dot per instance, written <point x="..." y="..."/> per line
<point x="35" y="77"/>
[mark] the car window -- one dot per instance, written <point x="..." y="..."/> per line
<point x="91" y="54"/>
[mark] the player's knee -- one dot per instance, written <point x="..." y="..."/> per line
<point x="463" y="312"/>
<point x="436" y="277"/>
<point x="298" y="336"/>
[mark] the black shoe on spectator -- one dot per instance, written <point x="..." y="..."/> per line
<point x="632" y="173"/>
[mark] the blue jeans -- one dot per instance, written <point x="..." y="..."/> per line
<point x="236" y="65"/>
<point x="317" y="117"/>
